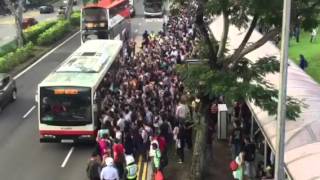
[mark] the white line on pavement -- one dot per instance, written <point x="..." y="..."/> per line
<point x="140" y="24"/>
<point x="30" y="110"/>
<point x="136" y="30"/>
<point x="44" y="56"/>
<point x="67" y="157"/>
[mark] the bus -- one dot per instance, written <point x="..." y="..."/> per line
<point x="107" y="19"/>
<point x="153" y="8"/>
<point x="68" y="98"/>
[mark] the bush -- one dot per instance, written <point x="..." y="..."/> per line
<point x="12" y="59"/>
<point x="75" y="18"/>
<point x="9" y="47"/>
<point x="32" y="33"/>
<point x="54" y="33"/>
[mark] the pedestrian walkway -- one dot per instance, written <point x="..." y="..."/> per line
<point x="216" y="168"/>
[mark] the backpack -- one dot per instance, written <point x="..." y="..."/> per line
<point x="158" y="175"/>
<point x="233" y="165"/>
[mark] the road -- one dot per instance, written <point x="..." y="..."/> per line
<point x="7" y="26"/>
<point x="21" y="154"/>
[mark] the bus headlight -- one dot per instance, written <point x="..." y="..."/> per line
<point x="102" y="24"/>
<point x="85" y="136"/>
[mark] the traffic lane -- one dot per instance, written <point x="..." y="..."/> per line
<point x="75" y="168"/>
<point x="23" y="157"/>
<point x="33" y="160"/>
<point x="139" y="25"/>
<point x="12" y="115"/>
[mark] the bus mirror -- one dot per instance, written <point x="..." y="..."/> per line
<point x="36" y="97"/>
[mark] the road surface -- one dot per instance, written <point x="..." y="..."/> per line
<point x="7" y="24"/>
<point x="21" y="154"/>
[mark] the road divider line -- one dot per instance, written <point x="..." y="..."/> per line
<point x="30" y="110"/>
<point x="144" y="173"/>
<point x="44" y="56"/>
<point x="64" y="163"/>
<point x="139" y="165"/>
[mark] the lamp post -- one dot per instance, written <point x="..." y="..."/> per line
<point x="281" y="115"/>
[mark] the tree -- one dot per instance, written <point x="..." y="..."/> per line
<point x="16" y="8"/>
<point x="232" y="75"/>
<point x="68" y="11"/>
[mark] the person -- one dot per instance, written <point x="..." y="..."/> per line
<point x="313" y="35"/>
<point x="239" y="173"/>
<point x="109" y="172"/>
<point x="249" y="157"/>
<point x="118" y="155"/>
<point x="131" y="168"/>
<point x="297" y="33"/>
<point x="268" y="174"/>
<point x="303" y="62"/>
<point x="182" y="110"/>
<point x="94" y="167"/>
<point x="178" y="133"/>
<point x="156" y="158"/>
<point x="236" y="139"/>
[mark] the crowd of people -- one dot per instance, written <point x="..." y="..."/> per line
<point x="143" y="104"/>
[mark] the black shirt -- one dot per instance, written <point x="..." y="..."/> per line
<point x="249" y="150"/>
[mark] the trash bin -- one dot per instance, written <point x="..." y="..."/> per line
<point x="222" y="121"/>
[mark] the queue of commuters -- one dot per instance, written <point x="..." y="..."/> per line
<point x="143" y="104"/>
<point x="243" y="149"/>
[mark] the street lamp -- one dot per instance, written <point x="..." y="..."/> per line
<point x="281" y="115"/>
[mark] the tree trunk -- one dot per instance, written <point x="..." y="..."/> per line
<point x="198" y="157"/>
<point x="16" y="10"/>
<point x="224" y="36"/>
<point x="204" y="32"/>
<point x="69" y="10"/>
<point x="236" y="54"/>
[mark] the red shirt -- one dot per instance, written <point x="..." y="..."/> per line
<point x="118" y="151"/>
<point x="162" y="142"/>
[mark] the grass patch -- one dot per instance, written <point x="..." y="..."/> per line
<point x="310" y="51"/>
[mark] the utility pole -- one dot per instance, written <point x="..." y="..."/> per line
<point x="281" y="115"/>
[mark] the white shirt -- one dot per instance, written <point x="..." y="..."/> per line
<point x="182" y="111"/>
<point x="121" y="124"/>
<point x="109" y="173"/>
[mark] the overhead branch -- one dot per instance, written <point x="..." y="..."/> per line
<point x="202" y="26"/>
<point x="236" y="55"/>
<point x="224" y="36"/>
<point x="268" y="36"/>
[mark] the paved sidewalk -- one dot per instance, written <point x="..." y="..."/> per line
<point x="216" y="168"/>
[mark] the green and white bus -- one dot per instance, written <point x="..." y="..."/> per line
<point x="68" y="102"/>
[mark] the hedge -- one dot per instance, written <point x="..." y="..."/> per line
<point x="54" y="33"/>
<point x="32" y="33"/>
<point x="75" y="18"/>
<point x="12" y="59"/>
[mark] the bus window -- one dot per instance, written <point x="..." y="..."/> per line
<point x="63" y="104"/>
<point x="94" y="15"/>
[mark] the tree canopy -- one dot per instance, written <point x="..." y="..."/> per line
<point x="231" y="74"/>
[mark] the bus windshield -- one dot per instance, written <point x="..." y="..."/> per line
<point x="65" y="105"/>
<point x="94" y="15"/>
<point x="153" y="5"/>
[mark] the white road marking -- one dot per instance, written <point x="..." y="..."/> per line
<point x="44" y="56"/>
<point x="136" y="30"/>
<point x="140" y="24"/>
<point x="30" y="110"/>
<point x="153" y="19"/>
<point x="67" y="157"/>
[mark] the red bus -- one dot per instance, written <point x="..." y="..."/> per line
<point x="107" y="19"/>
